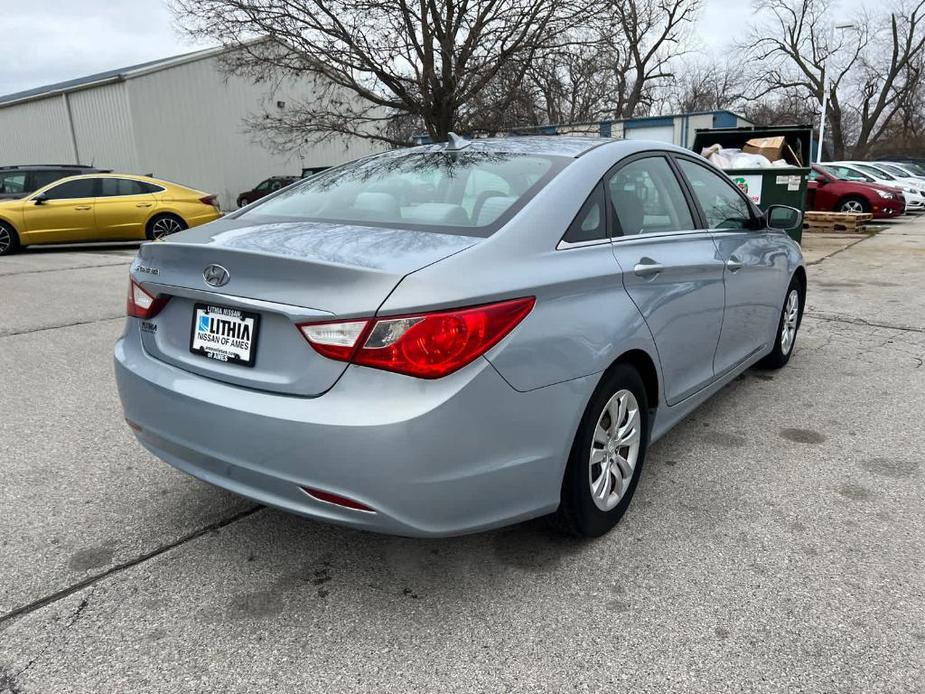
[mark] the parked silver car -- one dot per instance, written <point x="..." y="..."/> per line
<point x="449" y="338"/>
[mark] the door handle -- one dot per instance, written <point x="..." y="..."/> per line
<point x="734" y="264"/>
<point x="143" y="204"/>
<point x="82" y="207"/>
<point x="647" y="267"/>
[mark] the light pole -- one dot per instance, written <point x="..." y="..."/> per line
<point x="825" y="88"/>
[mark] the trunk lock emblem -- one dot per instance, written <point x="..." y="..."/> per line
<point x="216" y="275"/>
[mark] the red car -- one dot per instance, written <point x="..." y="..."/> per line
<point x="826" y="193"/>
<point x="270" y="185"/>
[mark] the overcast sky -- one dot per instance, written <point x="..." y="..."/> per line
<point x="46" y="41"/>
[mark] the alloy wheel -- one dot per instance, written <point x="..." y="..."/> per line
<point x="614" y="450"/>
<point x="5" y="240"/>
<point x="165" y="226"/>
<point x="788" y="330"/>
<point x="852" y="206"/>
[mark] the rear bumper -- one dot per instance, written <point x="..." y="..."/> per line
<point x="432" y="458"/>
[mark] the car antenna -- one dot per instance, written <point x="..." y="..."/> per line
<point x="456" y="142"/>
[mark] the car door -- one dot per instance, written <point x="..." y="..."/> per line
<point x="671" y="269"/>
<point x="63" y="214"/>
<point x="123" y="208"/>
<point x="755" y="265"/>
<point x="819" y="192"/>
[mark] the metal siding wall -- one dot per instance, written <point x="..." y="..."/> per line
<point x="36" y="132"/>
<point x="188" y="124"/>
<point x="103" y="126"/>
<point x="700" y="121"/>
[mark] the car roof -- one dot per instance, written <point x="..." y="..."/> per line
<point x="550" y="145"/>
<point x="50" y="167"/>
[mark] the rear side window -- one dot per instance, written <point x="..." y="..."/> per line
<point x="722" y="204"/>
<point x="464" y="192"/>
<point x="13" y="183"/>
<point x="112" y="187"/>
<point x="81" y="188"/>
<point x="646" y="198"/>
<point x="590" y="224"/>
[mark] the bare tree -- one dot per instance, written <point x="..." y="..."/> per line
<point x="379" y="64"/>
<point x="705" y="85"/>
<point x="644" y="38"/>
<point x="868" y="65"/>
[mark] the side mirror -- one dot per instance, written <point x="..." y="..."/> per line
<point x="783" y="217"/>
<point x="822" y="181"/>
<point x="40" y="199"/>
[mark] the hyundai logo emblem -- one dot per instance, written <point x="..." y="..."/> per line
<point x="216" y="275"/>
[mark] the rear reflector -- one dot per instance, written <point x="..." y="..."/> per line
<point x="428" y="345"/>
<point x="337" y="500"/>
<point x="141" y="304"/>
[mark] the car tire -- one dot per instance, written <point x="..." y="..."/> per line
<point x="162" y="225"/>
<point x="9" y="239"/>
<point x="790" y="318"/>
<point x="243" y="202"/>
<point x="591" y="503"/>
<point x="853" y="203"/>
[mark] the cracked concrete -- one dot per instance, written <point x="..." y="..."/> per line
<point x="776" y="542"/>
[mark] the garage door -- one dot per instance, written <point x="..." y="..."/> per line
<point x="659" y="133"/>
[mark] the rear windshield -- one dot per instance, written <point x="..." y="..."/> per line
<point x="467" y="193"/>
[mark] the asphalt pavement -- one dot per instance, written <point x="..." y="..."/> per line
<point x="775" y="544"/>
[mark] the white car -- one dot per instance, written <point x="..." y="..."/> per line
<point x="903" y="168"/>
<point x="913" y="189"/>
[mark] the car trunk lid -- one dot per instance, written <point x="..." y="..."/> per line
<point x="282" y="274"/>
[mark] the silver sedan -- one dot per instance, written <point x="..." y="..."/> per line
<point x="455" y="337"/>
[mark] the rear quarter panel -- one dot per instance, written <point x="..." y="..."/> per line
<point x="583" y="319"/>
<point x="184" y="202"/>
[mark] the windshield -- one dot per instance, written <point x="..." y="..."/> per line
<point x="469" y="193"/>
<point x="845" y="174"/>
<point x="895" y="170"/>
<point x="912" y="168"/>
<point x="875" y="172"/>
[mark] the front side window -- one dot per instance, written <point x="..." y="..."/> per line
<point x="13" y="183"/>
<point x="464" y="192"/>
<point x="112" y="187"/>
<point x="646" y="198"/>
<point x="723" y="206"/>
<point x="81" y="188"/>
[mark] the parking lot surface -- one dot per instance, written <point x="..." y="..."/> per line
<point x="776" y="541"/>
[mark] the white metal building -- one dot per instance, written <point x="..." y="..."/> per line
<point x="179" y="118"/>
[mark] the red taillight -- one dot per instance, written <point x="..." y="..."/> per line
<point x="141" y="304"/>
<point x="209" y="200"/>
<point x="428" y="345"/>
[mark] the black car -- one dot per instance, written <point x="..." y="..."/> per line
<point x="19" y="181"/>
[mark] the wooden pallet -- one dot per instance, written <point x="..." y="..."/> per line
<point x="836" y="221"/>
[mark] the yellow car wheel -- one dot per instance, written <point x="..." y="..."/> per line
<point x="164" y="225"/>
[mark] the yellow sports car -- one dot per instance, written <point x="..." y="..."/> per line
<point x="102" y="207"/>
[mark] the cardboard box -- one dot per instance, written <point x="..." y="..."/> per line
<point x="770" y="147"/>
